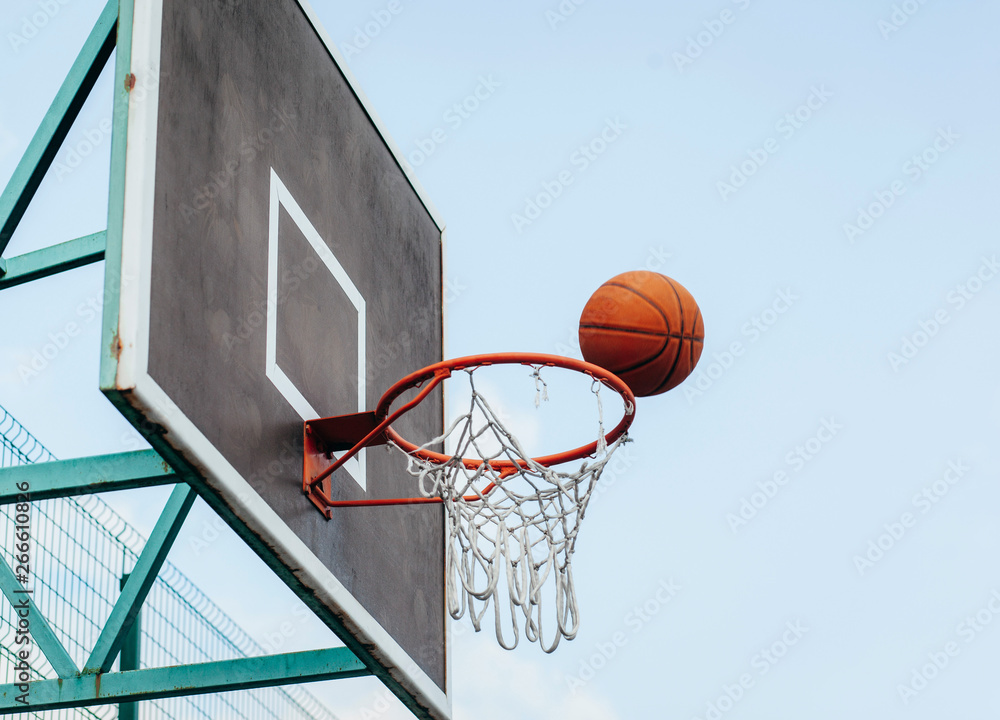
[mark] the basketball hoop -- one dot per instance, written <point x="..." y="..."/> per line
<point x="510" y="518"/>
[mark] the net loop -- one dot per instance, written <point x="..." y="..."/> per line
<point x="602" y="444"/>
<point x="541" y="387"/>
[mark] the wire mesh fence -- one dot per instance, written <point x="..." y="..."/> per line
<point x="80" y="550"/>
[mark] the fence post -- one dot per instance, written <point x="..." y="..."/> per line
<point x="129" y="659"/>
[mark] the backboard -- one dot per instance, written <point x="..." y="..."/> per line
<point x="271" y="261"/>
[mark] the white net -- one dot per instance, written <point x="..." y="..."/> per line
<point x="510" y="534"/>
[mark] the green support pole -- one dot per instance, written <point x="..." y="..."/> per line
<point x="129" y="660"/>
<point x="51" y="260"/>
<point x="85" y="476"/>
<point x="57" y="121"/>
<point x="116" y="202"/>
<point x="151" y="683"/>
<point x="140" y="580"/>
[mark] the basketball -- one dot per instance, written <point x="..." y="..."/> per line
<point x="645" y="328"/>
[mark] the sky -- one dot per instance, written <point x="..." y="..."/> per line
<point x="804" y="528"/>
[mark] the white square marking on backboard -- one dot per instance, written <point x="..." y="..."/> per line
<point x="280" y="197"/>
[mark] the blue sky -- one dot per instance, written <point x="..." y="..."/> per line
<point x="875" y="346"/>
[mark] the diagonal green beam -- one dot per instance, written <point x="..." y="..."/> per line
<point x="39" y="628"/>
<point x="152" y="683"/>
<point x="85" y="476"/>
<point x="57" y="121"/>
<point x="52" y="260"/>
<point x="140" y="580"/>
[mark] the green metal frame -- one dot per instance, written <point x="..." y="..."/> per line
<point x="52" y="260"/>
<point x="129" y="660"/>
<point x="96" y="684"/>
<point x="57" y="121"/>
<point x="152" y="683"/>
<point x="41" y="631"/>
<point x="84" y="476"/>
<point x="140" y="580"/>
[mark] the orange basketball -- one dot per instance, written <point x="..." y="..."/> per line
<point x="645" y="328"/>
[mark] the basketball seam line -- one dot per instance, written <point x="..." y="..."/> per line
<point x="637" y="332"/>
<point x="677" y="357"/>
<point x="693" y="326"/>
<point x="666" y="322"/>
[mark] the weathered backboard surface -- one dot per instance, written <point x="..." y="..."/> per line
<point x="275" y="264"/>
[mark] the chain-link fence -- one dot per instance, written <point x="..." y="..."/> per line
<point x="80" y="550"/>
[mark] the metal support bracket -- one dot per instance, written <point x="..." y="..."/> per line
<point x="325" y="436"/>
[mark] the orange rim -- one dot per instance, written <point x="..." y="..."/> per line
<point x="444" y="370"/>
